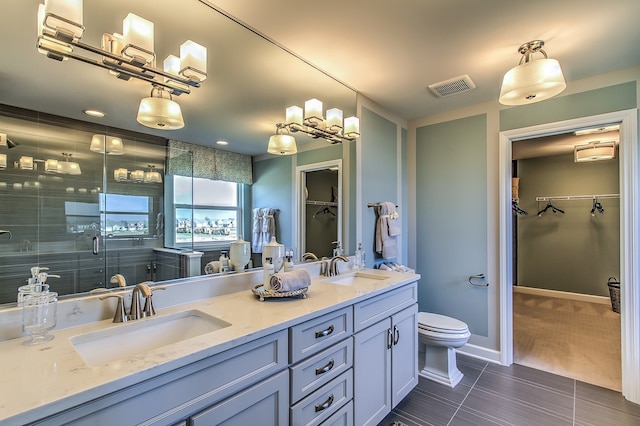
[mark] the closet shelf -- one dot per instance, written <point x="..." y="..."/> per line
<point x="322" y="203"/>
<point x="577" y="197"/>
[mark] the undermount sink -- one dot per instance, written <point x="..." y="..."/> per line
<point x="140" y="336"/>
<point x="355" y="278"/>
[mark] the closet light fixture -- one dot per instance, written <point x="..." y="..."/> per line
<point x="127" y="55"/>
<point x="595" y="151"/>
<point x="282" y="144"/>
<point x="532" y="80"/>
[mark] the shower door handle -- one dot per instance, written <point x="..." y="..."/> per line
<point x="477" y="277"/>
<point x="96" y="245"/>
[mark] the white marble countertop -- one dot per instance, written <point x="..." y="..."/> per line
<point x="37" y="381"/>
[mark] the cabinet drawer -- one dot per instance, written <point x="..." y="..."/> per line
<point x="342" y="417"/>
<point x="320" y="368"/>
<point x="369" y="312"/>
<point x="319" y="333"/>
<point x="321" y="404"/>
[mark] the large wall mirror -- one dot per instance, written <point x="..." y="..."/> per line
<point x="250" y="83"/>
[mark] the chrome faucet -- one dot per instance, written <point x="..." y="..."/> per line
<point x="309" y="256"/>
<point x="118" y="279"/>
<point x="333" y="265"/>
<point x="136" y="311"/>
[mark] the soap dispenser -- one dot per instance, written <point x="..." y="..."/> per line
<point x="224" y="262"/>
<point x="288" y="264"/>
<point x="268" y="271"/>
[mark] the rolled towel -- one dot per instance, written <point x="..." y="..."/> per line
<point x="290" y="281"/>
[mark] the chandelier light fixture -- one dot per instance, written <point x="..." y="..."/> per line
<point x="311" y="121"/>
<point x="282" y="144"/>
<point x="68" y="167"/>
<point x="532" y="80"/>
<point x="106" y="144"/>
<point x="594" y="151"/>
<point x="127" y="55"/>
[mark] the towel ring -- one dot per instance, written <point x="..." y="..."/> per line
<point x="478" y="277"/>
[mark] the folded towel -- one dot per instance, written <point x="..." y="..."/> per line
<point x="385" y="241"/>
<point x="290" y="281"/>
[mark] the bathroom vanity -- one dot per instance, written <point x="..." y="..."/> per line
<point x="345" y="354"/>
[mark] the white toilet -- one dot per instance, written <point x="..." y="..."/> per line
<point x="439" y="335"/>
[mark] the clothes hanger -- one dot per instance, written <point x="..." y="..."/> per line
<point x="516" y="208"/>
<point x="596" y="206"/>
<point x="552" y="207"/>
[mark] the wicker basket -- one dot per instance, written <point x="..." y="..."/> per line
<point x="614" y="293"/>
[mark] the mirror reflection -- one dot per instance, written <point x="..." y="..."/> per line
<point x="123" y="213"/>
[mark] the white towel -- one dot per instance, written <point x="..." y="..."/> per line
<point x="256" y="234"/>
<point x="268" y="226"/>
<point x="289" y="281"/>
<point x="385" y="242"/>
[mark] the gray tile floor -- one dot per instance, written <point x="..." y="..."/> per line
<point x="490" y="394"/>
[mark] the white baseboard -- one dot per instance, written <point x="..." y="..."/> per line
<point x="480" y="352"/>
<point x="562" y="294"/>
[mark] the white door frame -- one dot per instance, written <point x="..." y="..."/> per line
<point x="629" y="237"/>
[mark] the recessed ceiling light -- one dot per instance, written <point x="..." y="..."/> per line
<point x="222" y="143"/>
<point x="94" y="113"/>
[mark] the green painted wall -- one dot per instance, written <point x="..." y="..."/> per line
<point x="451" y="216"/>
<point x="574" y="251"/>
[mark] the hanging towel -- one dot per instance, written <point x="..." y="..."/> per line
<point x="256" y="234"/>
<point x="289" y="281"/>
<point x="268" y="225"/>
<point x="386" y="242"/>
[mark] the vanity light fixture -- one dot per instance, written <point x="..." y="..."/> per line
<point x="282" y="144"/>
<point x="68" y="167"/>
<point x="3" y="161"/>
<point x="106" y="144"/>
<point x="532" y="80"/>
<point x="127" y="55"/>
<point x="152" y="175"/>
<point x="138" y="176"/>
<point x="311" y="121"/>
<point x="594" y="151"/>
<point x="25" y="163"/>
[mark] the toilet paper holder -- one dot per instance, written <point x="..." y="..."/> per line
<point x="477" y="277"/>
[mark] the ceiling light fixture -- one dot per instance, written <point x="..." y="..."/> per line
<point x="311" y="121"/>
<point x="68" y="167"/>
<point x="130" y="55"/>
<point x="595" y="151"/>
<point x="532" y="80"/>
<point x="94" y="113"/>
<point x="159" y="112"/>
<point x="595" y="130"/>
<point x="282" y="144"/>
<point x="106" y="144"/>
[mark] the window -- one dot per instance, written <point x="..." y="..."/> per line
<point x="125" y="215"/>
<point x="207" y="212"/>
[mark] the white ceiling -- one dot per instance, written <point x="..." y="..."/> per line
<point x="390" y="51"/>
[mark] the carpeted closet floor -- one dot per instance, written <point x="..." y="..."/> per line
<point x="575" y="339"/>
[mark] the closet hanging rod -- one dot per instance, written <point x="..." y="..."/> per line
<point x="577" y="197"/>
<point x="322" y="203"/>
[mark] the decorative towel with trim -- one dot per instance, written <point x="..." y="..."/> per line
<point x="256" y="233"/>
<point x="387" y="228"/>
<point x="268" y="225"/>
<point x="290" y="281"/>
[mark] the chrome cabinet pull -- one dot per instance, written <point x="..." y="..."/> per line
<point x="396" y="334"/>
<point x="323" y="333"/>
<point x="322" y="370"/>
<point x="325" y="405"/>
<point x="389" y="338"/>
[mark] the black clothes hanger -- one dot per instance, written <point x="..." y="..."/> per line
<point x="516" y="208"/>
<point x="552" y="207"/>
<point x="596" y="206"/>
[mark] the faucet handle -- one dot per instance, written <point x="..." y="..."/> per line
<point x="120" y="314"/>
<point x="148" y="309"/>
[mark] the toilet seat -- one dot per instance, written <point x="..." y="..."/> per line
<point x="433" y="324"/>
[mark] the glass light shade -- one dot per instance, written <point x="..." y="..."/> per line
<point x="51" y="165"/>
<point x="3" y="161"/>
<point x="313" y="112"/>
<point x="114" y="146"/>
<point x="82" y="190"/>
<point x="17" y="186"/>
<point x="70" y="189"/>
<point x="594" y="152"/>
<point x="120" y="175"/>
<point x="47" y="44"/>
<point x="69" y="168"/>
<point x="26" y="163"/>
<point x="152" y="176"/>
<point x="137" y="175"/>
<point x="533" y="81"/>
<point x="97" y="143"/>
<point x="160" y="113"/>
<point x="193" y="60"/>
<point x="137" y="34"/>
<point x="68" y="9"/>
<point x="282" y="145"/>
<point x="294" y="116"/>
<point x="171" y="65"/>
<point x="334" y="120"/>
<point x="352" y="127"/>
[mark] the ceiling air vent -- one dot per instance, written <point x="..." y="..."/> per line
<point x="453" y="86"/>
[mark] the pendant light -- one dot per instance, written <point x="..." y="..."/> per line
<point x="532" y="80"/>
<point x="280" y="144"/>
<point x="159" y="112"/>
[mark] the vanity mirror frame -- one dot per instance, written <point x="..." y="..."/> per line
<point x="300" y="203"/>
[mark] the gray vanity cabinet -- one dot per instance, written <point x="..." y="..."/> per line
<point x="385" y="353"/>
